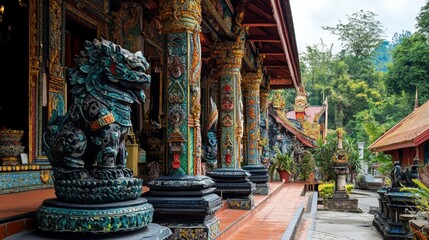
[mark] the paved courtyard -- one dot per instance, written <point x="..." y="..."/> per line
<point x="341" y="225"/>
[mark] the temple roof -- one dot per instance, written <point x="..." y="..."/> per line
<point x="311" y="113"/>
<point x="411" y="131"/>
<point x="269" y="32"/>
<point x="281" y="118"/>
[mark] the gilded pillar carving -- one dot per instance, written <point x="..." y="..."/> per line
<point x="263" y="98"/>
<point x="250" y="85"/>
<point x="34" y="64"/>
<point x="181" y="26"/>
<point x="55" y="66"/>
<point x="229" y="55"/>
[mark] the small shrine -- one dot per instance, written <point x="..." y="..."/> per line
<point x="340" y="199"/>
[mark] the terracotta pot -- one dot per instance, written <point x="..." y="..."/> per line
<point x="284" y="175"/>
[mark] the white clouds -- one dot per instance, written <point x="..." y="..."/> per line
<point x="310" y="15"/>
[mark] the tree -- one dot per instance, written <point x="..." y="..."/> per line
<point x="410" y="68"/>
<point x="423" y="20"/>
<point x="360" y="35"/>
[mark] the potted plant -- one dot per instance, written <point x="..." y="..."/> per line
<point x="284" y="164"/>
<point x="419" y="223"/>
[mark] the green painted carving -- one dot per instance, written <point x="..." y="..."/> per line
<point x="183" y="102"/>
<point x="178" y="98"/>
<point x="126" y="218"/>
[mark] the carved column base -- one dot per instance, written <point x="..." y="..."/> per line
<point x="208" y="230"/>
<point x="58" y="216"/>
<point x="151" y="231"/>
<point x="234" y="185"/>
<point x="185" y="204"/>
<point x="259" y="175"/>
<point x="262" y="189"/>
<point x="241" y="203"/>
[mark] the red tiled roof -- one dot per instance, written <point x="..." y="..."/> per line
<point x="411" y="131"/>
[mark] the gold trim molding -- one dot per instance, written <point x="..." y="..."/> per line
<point x="180" y="16"/>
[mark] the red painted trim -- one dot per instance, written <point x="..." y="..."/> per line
<point x="423" y="137"/>
<point x="395" y="146"/>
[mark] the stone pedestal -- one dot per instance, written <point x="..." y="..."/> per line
<point x="185" y="204"/>
<point x="393" y="203"/>
<point x="59" y="216"/>
<point x="234" y="185"/>
<point x="343" y="204"/>
<point x="150" y="232"/>
<point x="260" y="177"/>
<point x="341" y="201"/>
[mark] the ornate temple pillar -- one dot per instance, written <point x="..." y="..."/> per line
<point x="181" y="27"/>
<point x="232" y="183"/>
<point x="228" y="58"/>
<point x="259" y="173"/>
<point x="250" y="85"/>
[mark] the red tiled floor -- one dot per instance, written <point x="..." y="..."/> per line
<point x="268" y="220"/>
<point x="271" y="219"/>
<point x="24" y="202"/>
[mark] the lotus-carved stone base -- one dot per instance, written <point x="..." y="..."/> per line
<point x="58" y="216"/>
<point x="98" y="191"/>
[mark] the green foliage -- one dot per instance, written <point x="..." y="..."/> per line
<point x="349" y="188"/>
<point x="360" y="35"/>
<point x="364" y="101"/>
<point x="327" y="190"/>
<point x="324" y="152"/>
<point x="410" y="68"/>
<point x="423" y="20"/>
<point x="306" y="165"/>
<point x="421" y="192"/>
<point x="282" y="161"/>
<point x="323" y="155"/>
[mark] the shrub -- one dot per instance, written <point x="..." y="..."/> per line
<point x="307" y="166"/>
<point x="349" y="188"/>
<point x="326" y="190"/>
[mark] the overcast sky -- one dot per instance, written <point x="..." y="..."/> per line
<point x="310" y="15"/>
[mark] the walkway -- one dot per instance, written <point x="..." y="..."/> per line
<point x="269" y="220"/>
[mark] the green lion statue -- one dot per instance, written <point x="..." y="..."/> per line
<point x="87" y="145"/>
